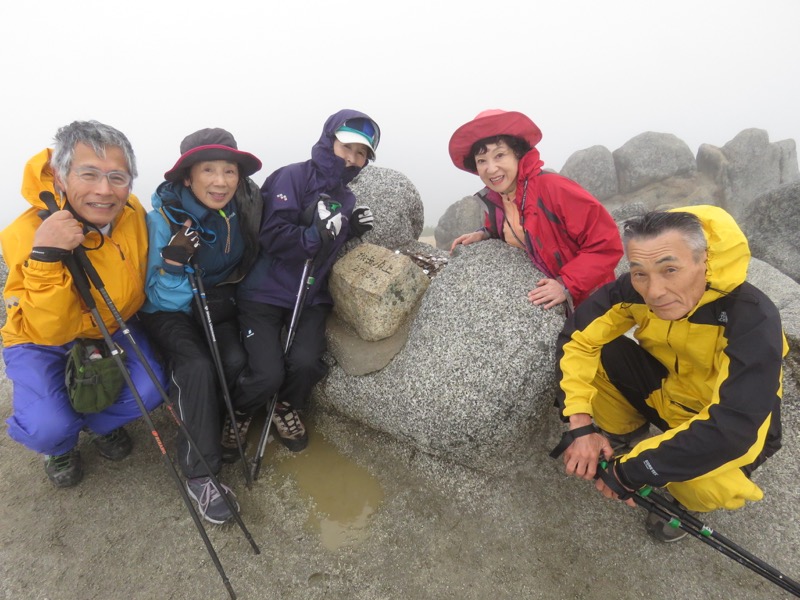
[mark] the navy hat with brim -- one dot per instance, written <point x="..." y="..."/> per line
<point x="211" y="144"/>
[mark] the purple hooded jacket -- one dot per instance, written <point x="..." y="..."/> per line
<point x="289" y="234"/>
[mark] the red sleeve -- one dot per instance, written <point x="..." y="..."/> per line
<point x="593" y="233"/>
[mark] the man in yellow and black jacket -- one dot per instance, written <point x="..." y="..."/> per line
<point x="705" y="367"/>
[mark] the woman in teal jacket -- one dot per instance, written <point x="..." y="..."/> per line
<point x="205" y="220"/>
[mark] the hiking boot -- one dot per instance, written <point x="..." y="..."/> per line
<point x="661" y="529"/>
<point x="622" y="442"/>
<point x="210" y="503"/>
<point x="230" y="451"/>
<point x="290" y="428"/>
<point x="115" y="445"/>
<point x="64" y="470"/>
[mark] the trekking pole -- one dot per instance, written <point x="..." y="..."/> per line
<point x="199" y="293"/>
<point x="306" y="281"/>
<point x="655" y="500"/>
<point x="81" y="275"/>
<point x="677" y="517"/>
<point x="91" y="272"/>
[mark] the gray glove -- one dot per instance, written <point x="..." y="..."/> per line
<point x="361" y="221"/>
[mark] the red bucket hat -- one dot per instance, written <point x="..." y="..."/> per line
<point x="211" y="144"/>
<point x="490" y="123"/>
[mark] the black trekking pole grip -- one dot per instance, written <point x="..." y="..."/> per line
<point x="78" y="276"/>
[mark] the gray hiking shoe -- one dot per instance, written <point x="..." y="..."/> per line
<point x="622" y="442"/>
<point x="64" y="470"/>
<point x="115" y="445"/>
<point x="662" y="530"/>
<point x="210" y="503"/>
<point x="230" y="452"/>
<point x="290" y="428"/>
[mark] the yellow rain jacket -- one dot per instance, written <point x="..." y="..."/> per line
<point x="42" y="305"/>
<point x="721" y="396"/>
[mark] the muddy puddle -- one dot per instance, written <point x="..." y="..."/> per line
<point x="341" y="495"/>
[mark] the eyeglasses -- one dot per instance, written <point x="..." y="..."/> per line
<point x="93" y="176"/>
<point x="369" y="129"/>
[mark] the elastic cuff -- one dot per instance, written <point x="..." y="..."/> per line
<point x="623" y="479"/>
<point x="48" y="253"/>
<point x="173" y="269"/>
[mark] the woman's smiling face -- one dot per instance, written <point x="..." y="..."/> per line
<point x="498" y="168"/>
<point x="213" y="182"/>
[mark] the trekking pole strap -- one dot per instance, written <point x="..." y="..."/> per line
<point x="570" y="436"/>
<point x="608" y="473"/>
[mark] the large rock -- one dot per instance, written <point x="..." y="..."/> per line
<point x="746" y="167"/>
<point x="753" y="166"/>
<point x="374" y="290"/>
<point x="477" y="374"/>
<point x="594" y="169"/>
<point x="712" y="162"/>
<point x="355" y="355"/>
<point x="668" y="193"/>
<point x="790" y="170"/>
<point x="396" y="204"/>
<point x="771" y="222"/>
<point x="461" y="217"/>
<point x="650" y="157"/>
<point x="785" y="294"/>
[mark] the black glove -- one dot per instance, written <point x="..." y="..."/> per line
<point x="182" y="246"/>
<point x="328" y="217"/>
<point x="361" y="221"/>
<point x="611" y="474"/>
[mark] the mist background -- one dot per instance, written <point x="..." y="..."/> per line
<point x="586" y="72"/>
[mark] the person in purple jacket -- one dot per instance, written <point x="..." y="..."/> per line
<point x="309" y="213"/>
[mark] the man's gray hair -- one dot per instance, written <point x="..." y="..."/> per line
<point x="654" y="223"/>
<point x="94" y="134"/>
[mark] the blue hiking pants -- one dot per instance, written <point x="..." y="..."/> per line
<point x="43" y="419"/>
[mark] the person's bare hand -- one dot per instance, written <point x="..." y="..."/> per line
<point x="467" y="239"/>
<point x="583" y="454"/>
<point x="548" y="292"/>
<point x="59" y="230"/>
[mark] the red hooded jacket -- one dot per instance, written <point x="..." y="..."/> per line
<point x="569" y="235"/>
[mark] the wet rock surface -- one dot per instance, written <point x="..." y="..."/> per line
<point x="441" y="530"/>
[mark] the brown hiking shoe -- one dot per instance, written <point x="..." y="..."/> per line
<point x="230" y="451"/>
<point x="290" y="428"/>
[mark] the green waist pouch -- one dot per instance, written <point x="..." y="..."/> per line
<point x="93" y="378"/>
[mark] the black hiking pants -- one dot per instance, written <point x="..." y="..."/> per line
<point x="193" y="383"/>
<point x="294" y="376"/>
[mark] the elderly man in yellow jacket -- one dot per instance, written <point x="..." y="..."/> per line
<point x="705" y="367"/>
<point x="89" y="171"/>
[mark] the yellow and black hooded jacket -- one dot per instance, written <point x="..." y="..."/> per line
<point x="721" y="396"/>
<point x="42" y="305"/>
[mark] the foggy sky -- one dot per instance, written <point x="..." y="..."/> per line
<point x="586" y="72"/>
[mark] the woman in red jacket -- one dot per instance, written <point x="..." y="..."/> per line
<point x="569" y="236"/>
